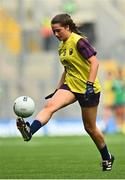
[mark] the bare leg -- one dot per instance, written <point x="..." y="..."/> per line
<point x="89" y="120"/>
<point x="60" y="99"/>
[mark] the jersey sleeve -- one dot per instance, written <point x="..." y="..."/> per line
<point x="85" y="49"/>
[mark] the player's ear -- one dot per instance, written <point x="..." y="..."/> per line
<point x="67" y="27"/>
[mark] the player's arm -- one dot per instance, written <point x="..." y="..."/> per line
<point x="89" y="54"/>
<point x="61" y="81"/>
<point x="94" y="64"/>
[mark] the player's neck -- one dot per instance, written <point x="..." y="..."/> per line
<point x="67" y="36"/>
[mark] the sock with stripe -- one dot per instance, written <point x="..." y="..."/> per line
<point x="35" y="126"/>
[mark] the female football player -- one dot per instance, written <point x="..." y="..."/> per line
<point x="78" y="82"/>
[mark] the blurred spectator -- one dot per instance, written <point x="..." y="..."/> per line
<point x="108" y="99"/>
<point x="118" y="87"/>
<point x="46" y="33"/>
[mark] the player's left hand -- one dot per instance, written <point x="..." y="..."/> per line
<point x="89" y="91"/>
<point x="50" y="95"/>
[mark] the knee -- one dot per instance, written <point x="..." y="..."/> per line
<point x="50" y="107"/>
<point x="90" y="130"/>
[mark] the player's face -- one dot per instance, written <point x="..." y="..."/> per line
<point x="62" y="33"/>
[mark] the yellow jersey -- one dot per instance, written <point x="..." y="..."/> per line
<point x="76" y="66"/>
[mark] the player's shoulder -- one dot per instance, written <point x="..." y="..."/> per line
<point x="76" y="36"/>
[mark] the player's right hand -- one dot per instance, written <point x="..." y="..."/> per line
<point x="89" y="91"/>
<point x="50" y="95"/>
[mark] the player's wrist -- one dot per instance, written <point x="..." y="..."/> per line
<point x="90" y="83"/>
<point x="89" y="87"/>
<point x="50" y="95"/>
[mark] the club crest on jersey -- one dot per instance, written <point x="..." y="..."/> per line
<point x="62" y="51"/>
<point x="70" y="51"/>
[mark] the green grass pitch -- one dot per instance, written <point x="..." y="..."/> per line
<point x="74" y="157"/>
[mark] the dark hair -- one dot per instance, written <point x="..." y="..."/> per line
<point x="64" y="20"/>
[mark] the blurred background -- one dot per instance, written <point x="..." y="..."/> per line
<point x="29" y="63"/>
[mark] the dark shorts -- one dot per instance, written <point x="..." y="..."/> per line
<point x="94" y="100"/>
